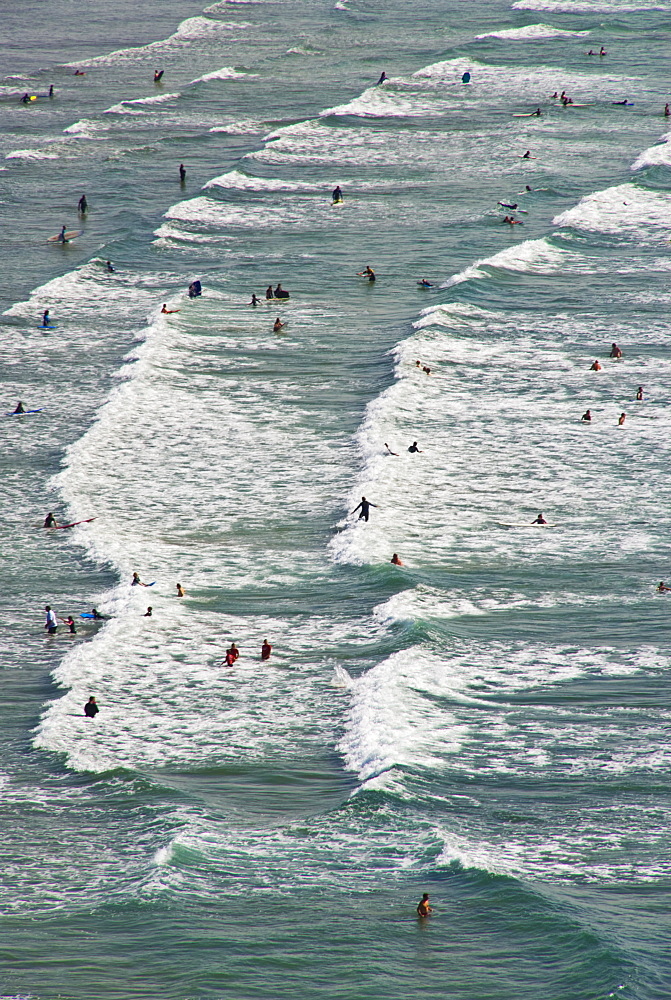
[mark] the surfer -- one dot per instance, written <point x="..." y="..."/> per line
<point x="528" y="156"/>
<point x="136" y="581"/>
<point x="20" y="408"/>
<point x="50" y="521"/>
<point x="504" y="204"/>
<point x="51" y="90"/>
<point x="70" y="622"/>
<point x="234" y="651"/>
<point x="540" y="519"/>
<point x="423" y="908"/>
<point x="413" y="449"/>
<point x="621" y="419"/>
<point x="79" y="72"/>
<point x="662" y="588"/>
<point x="96" y="614"/>
<point x="596" y="367"/>
<point x="395" y="560"/>
<point x="367" y="273"/>
<point x="269" y="292"/>
<point x="425" y="284"/>
<point x="108" y="266"/>
<point x="45" y="318"/>
<point x="383" y="77"/>
<point x="615" y="351"/>
<point x="364" y="506"/>
<point x="389" y="451"/>
<point x="182" y="173"/>
<point x="537" y="113"/>
<point x="337" y="194"/>
<point x="623" y="103"/>
<point x="51" y="622"/>
<point x="25" y="99"/>
<point x="602" y="51"/>
<point x="180" y="590"/>
<point x="587" y="416"/>
<point x="82" y="205"/>
<point x="639" y="393"/>
<point x="266" y="650"/>
<point x="277" y="325"/>
<point x="168" y="312"/>
<point x="667" y="112"/>
<point x="90" y="708"/>
<point x="158" y="74"/>
<point x="513" y="222"/>
<point x="426" y="370"/>
<point x="280" y="293"/>
<point x="195" y="289"/>
<point x="254" y="301"/>
<point x="229" y="658"/>
<point x="148" y="613"/>
<point x="61" y="236"/>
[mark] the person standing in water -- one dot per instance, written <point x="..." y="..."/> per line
<point x="61" y="235"/>
<point x="383" y="77"/>
<point x="277" y="325"/>
<point x="587" y="416"/>
<point x="621" y="420"/>
<point x="182" y="173"/>
<point x="639" y="393"/>
<point x="180" y="590"/>
<point x="70" y="622"/>
<point x="266" y="650"/>
<point x="108" y="266"/>
<point x="82" y="205"/>
<point x="395" y="560"/>
<point x="90" y="708"/>
<point x="364" y="506"/>
<point x="615" y="352"/>
<point x="337" y="194"/>
<point x="51" y="622"/>
<point x="423" y="908"/>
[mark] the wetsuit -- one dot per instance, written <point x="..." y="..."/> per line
<point x="365" y="506"/>
<point x="91" y="709"/>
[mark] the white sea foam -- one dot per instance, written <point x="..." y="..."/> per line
<point x="530" y="32"/>
<point x="655" y="156"/>
<point x="30" y="154"/>
<point x="237" y="180"/>
<point x="616" y="7"/>
<point x="225" y="73"/>
<point x="538" y="256"/>
<point x="381" y="102"/>
<point x="135" y="106"/>
<point x="190" y="30"/>
<point x="625" y="209"/>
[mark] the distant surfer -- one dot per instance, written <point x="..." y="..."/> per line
<point x="368" y="272"/>
<point x="383" y="77"/>
<point x="234" y="651"/>
<point x="269" y="292"/>
<point x="389" y="451"/>
<point x="596" y="367"/>
<point x="51" y="90"/>
<point x="182" y="173"/>
<point x="79" y="72"/>
<point x="82" y="205"/>
<point x="90" y="708"/>
<point x="528" y="156"/>
<point x="108" y="266"/>
<point x="148" y="613"/>
<point x="337" y="195"/>
<point x="266" y="650"/>
<point x="423" y="908"/>
<point x="254" y="301"/>
<point x="45" y="318"/>
<point x="667" y="111"/>
<point x="51" y="622"/>
<point x="513" y="222"/>
<point x="158" y="75"/>
<point x="662" y="587"/>
<point x="466" y="77"/>
<point x="70" y="622"/>
<point x="425" y="284"/>
<point x="136" y="581"/>
<point x="615" y="351"/>
<point x="395" y="560"/>
<point x="229" y="658"/>
<point x="61" y="235"/>
<point x="25" y="99"/>
<point x="426" y="370"/>
<point x="180" y="590"/>
<point x="639" y="393"/>
<point x="537" y="113"/>
<point x="96" y="615"/>
<point x="621" y="419"/>
<point x="278" y="325"/>
<point x="195" y="289"/>
<point x="623" y="103"/>
<point x="50" y="521"/>
<point x="504" y="204"/>
<point x="413" y="449"/>
<point x="20" y="408"/>
<point x="168" y="312"/>
<point x="280" y="293"/>
<point x="587" y="416"/>
<point x="364" y="506"/>
<point x="540" y="519"/>
<point x="602" y="51"/>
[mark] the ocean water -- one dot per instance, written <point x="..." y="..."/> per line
<point x="487" y="722"/>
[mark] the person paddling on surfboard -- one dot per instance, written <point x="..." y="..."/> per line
<point x="137" y="582"/>
<point x="20" y="408"/>
<point x="540" y="519"/>
<point x="50" y="521"/>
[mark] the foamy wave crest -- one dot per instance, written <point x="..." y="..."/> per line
<point x="378" y="102"/>
<point x="84" y="129"/>
<point x="589" y="6"/>
<point x="225" y="73"/>
<point x="128" y="107"/>
<point x="242" y="182"/>
<point x="532" y="255"/>
<point x="30" y="154"/>
<point x="622" y="208"/>
<point x="531" y="31"/>
<point x="192" y="29"/>
<point x="655" y="156"/>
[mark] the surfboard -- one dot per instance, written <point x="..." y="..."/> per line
<point x="96" y="618"/>
<point x="530" y="115"/>
<point x="47" y="327"/>
<point x="524" y="524"/>
<point x="13" y="414"/>
<point x="69" y="235"/>
<point x="339" y="201"/>
<point x="59" y="527"/>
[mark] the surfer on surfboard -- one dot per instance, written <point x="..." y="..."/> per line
<point x="50" y="521"/>
<point x="540" y="519"/>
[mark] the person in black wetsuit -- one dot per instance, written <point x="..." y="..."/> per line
<point x="182" y="173"/>
<point x="364" y="506"/>
<point x="195" y="289"/>
<point x="90" y="708"/>
<point x="20" y="408"/>
<point x="50" y="521"/>
<point x="108" y="266"/>
<point x="413" y="449"/>
<point x="587" y="416"/>
<point x="383" y="77"/>
<point x="70" y="622"/>
<point x="337" y="194"/>
<point x="82" y="205"/>
<point x="269" y="292"/>
<point x="158" y="74"/>
<point x="540" y="519"/>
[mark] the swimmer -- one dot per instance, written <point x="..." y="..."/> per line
<point x="90" y="708"/>
<point x="423" y="908"/>
<point x="254" y="301"/>
<point x="383" y="77"/>
<point x="591" y="53"/>
<point x="414" y="449"/>
<point x="337" y="194"/>
<point x="108" y="266"/>
<point x="426" y="370"/>
<point x="587" y="416"/>
<point x="364" y="506"/>
<point x="667" y="112"/>
<point x="158" y="74"/>
<point x="596" y="367"/>
<point x="513" y="222"/>
<point x="425" y="284"/>
<point x="82" y="205"/>
<point x="395" y="560"/>
<point x="168" y="312"/>
<point x="45" y="318"/>
<point x="615" y="351"/>
<point x="234" y="651"/>
<point x="389" y="451"/>
<point x="20" y="408"/>
<point x="277" y="325"/>
<point x="136" y="581"/>
<point x="527" y="189"/>
<point x="25" y="99"/>
<point x="96" y="614"/>
<point x="639" y="393"/>
<point x="368" y="273"/>
<point x="182" y="173"/>
<point x="180" y="590"/>
<point x="51" y="622"/>
<point x="621" y="419"/>
<point x="540" y="519"/>
<point x="148" y="613"/>
<point x="269" y="292"/>
<point x="266" y="650"/>
<point x="70" y="622"/>
<point x="418" y="364"/>
<point x="79" y="72"/>
<point x="50" y="521"/>
<point x="662" y="588"/>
